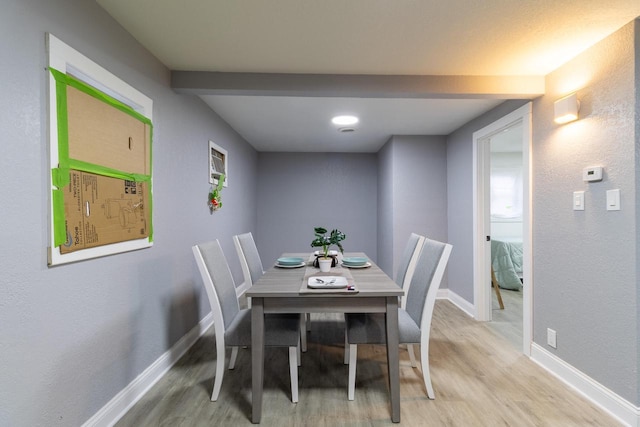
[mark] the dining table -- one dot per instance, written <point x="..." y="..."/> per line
<point x="286" y="290"/>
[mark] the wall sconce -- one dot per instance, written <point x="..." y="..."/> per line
<point x="566" y="109"/>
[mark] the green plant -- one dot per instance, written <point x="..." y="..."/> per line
<point x="215" y="195"/>
<point x="322" y="240"/>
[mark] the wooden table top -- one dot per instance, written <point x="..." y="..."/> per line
<point x="286" y="282"/>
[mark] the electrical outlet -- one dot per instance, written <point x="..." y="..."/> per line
<point x="551" y="338"/>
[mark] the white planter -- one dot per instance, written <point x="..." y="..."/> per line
<point x="325" y="264"/>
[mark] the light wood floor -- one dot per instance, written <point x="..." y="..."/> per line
<point x="508" y="322"/>
<point x="479" y="378"/>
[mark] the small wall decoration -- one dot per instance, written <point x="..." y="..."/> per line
<point x="215" y="195"/>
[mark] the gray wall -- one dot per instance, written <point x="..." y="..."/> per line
<point x="385" y="210"/>
<point x="419" y="197"/>
<point x="300" y="191"/>
<point x="460" y="198"/>
<point x="585" y="262"/>
<point x="377" y="200"/>
<point x="73" y="336"/>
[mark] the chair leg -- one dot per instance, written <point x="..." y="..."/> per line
<point x="346" y="349"/>
<point x="299" y="353"/>
<point x="308" y="322"/>
<point x="293" y="373"/>
<point x="217" y="382"/>
<point x="496" y="286"/>
<point x="234" y="356"/>
<point x="353" y="356"/>
<point x="426" y="376"/>
<point x="303" y="332"/>
<point x="412" y="356"/>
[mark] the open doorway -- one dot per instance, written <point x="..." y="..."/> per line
<point x="506" y="191"/>
<point x="504" y="146"/>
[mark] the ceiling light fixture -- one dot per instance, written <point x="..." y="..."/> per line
<point x="344" y="120"/>
<point x="566" y="109"/>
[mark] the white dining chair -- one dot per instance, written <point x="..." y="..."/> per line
<point x="233" y="325"/>
<point x="252" y="270"/>
<point x="414" y="321"/>
<point x="403" y="278"/>
<point x="249" y="257"/>
<point x="406" y="268"/>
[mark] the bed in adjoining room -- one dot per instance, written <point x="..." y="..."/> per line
<point x="506" y="261"/>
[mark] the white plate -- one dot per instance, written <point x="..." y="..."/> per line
<point x="289" y="260"/>
<point x="327" y="282"/>
<point x="366" y="265"/>
<point x="331" y="253"/>
<point x="302" y="264"/>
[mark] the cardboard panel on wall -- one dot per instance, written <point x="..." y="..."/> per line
<point x="106" y="136"/>
<point x="101" y="210"/>
<point x="100" y="131"/>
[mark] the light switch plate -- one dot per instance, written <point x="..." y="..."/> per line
<point x="578" y="200"/>
<point x="613" y="200"/>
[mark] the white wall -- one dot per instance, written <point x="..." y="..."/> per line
<point x="73" y="336"/>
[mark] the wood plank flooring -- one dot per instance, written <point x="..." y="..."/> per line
<point x="508" y="322"/>
<point x="479" y="378"/>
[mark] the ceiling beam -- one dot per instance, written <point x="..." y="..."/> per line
<point x="357" y="86"/>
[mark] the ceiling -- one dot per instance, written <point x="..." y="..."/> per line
<point x="437" y="41"/>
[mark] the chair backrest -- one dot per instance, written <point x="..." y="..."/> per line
<point x="426" y="280"/>
<point x="249" y="258"/>
<point x="218" y="282"/>
<point x="408" y="263"/>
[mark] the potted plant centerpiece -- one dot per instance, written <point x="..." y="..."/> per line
<point x="325" y="242"/>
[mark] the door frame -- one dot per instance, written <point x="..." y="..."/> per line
<point x="481" y="225"/>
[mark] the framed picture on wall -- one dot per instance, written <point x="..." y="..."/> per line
<point x="218" y="164"/>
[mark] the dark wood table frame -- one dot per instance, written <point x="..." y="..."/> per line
<point x="278" y="292"/>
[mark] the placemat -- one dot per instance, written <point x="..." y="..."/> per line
<point x="311" y="271"/>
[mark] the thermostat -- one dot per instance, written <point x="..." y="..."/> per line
<point x="593" y="173"/>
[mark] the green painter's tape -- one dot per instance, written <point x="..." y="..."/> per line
<point x="64" y="80"/>
<point x="103" y="170"/>
<point x="59" y="227"/>
<point x="63" y="123"/>
<point x="59" y="179"/>
<point x="60" y="175"/>
<point x="69" y="80"/>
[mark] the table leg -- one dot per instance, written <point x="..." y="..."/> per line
<point x="257" y="357"/>
<point x="393" y="358"/>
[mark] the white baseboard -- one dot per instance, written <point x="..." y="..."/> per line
<point x="123" y="401"/>
<point x="458" y="301"/>
<point x="619" y="408"/>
